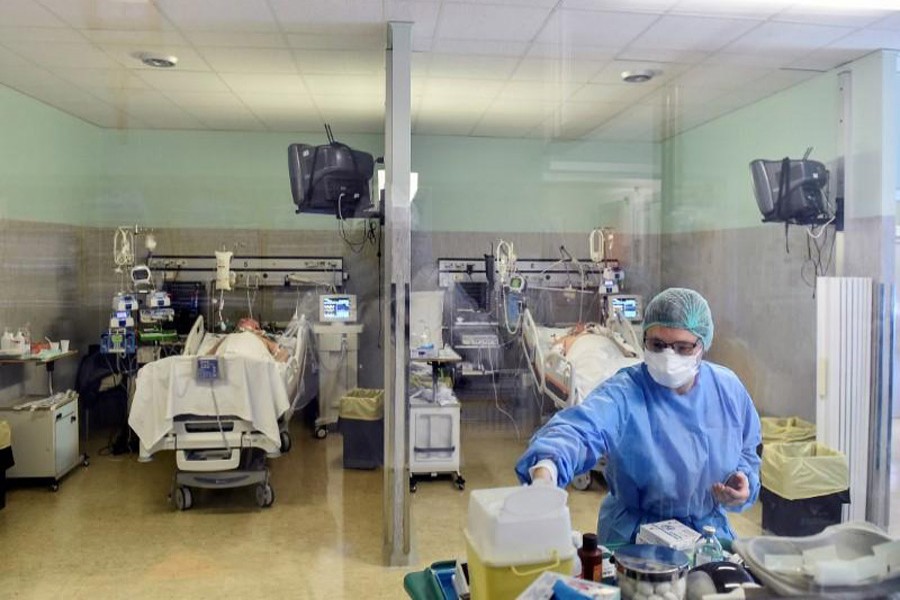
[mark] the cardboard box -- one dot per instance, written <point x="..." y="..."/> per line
<point x="669" y="533"/>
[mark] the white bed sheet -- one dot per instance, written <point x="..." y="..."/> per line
<point x="595" y="359"/>
<point x="250" y="389"/>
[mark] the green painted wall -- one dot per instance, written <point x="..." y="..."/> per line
<point x="57" y="168"/>
<point x="706" y="174"/>
<point x="50" y="162"/>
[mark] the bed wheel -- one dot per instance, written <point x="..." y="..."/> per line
<point x="321" y="432"/>
<point x="265" y="495"/>
<point x="582" y="482"/>
<point x="183" y="498"/>
<point x="54" y="487"/>
<point x="286" y="442"/>
<point x="460" y="482"/>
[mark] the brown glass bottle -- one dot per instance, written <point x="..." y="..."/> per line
<point x="591" y="558"/>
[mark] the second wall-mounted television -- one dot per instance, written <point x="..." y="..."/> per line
<point x="331" y="179"/>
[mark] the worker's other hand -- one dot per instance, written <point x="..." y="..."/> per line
<point x="733" y="492"/>
<point x="542" y="476"/>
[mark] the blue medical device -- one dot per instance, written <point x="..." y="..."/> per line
<point x="208" y="368"/>
<point x="118" y="340"/>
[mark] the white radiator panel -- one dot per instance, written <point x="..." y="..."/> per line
<point x="843" y="387"/>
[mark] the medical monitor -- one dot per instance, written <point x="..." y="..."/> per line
<point x="629" y="306"/>
<point x="332" y="179"/>
<point x="337" y="308"/>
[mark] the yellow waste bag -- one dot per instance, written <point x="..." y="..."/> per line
<point x="362" y="404"/>
<point x="800" y="470"/>
<point x="789" y="429"/>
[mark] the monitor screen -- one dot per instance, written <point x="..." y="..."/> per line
<point x="628" y="306"/>
<point x="337" y="308"/>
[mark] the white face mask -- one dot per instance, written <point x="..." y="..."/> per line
<point x="672" y="370"/>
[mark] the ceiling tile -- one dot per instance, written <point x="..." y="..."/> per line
<point x="346" y="125"/>
<point x="721" y="76"/>
<point x="128" y="56"/>
<point x="160" y="38"/>
<point x="78" y="55"/>
<point x="308" y="41"/>
<point x="571" y="52"/>
<point x="354" y="85"/>
<point x="471" y="67"/>
<point x="590" y="28"/>
<point x="442" y="105"/>
<point x="846" y="15"/>
<point x="198" y="101"/>
<point x="55" y="35"/>
<point x="753" y="9"/>
<point x="250" y="60"/>
<point x="490" y="22"/>
<point x="183" y="81"/>
<point x="787" y="38"/>
<point x="663" y="72"/>
<point x="677" y="32"/>
<point x="536" y="91"/>
<point x="340" y="62"/>
<point x="102" y="79"/>
<point x="235" y="39"/>
<point x="231" y="119"/>
<point x="334" y="108"/>
<point x="479" y="47"/>
<point x="674" y="97"/>
<point x="654" y="6"/>
<point x="215" y="15"/>
<point x="751" y="59"/>
<point x="10" y="59"/>
<point x="108" y="14"/>
<point x="662" y="56"/>
<point x="602" y="92"/>
<point x="870" y="39"/>
<point x="174" y="118"/>
<point x="264" y="83"/>
<point x="892" y="21"/>
<point x="309" y="15"/>
<point x="26" y="13"/>
<point x="825" y="59"/>
<point x="460" y="89"/>
<point x="444" y="124"/>
<point x="265" y="105"/>
<point x="491" y="127"/>
<point x="557" y="70"/>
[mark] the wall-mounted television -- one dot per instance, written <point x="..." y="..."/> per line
<point x="331" y="179"/>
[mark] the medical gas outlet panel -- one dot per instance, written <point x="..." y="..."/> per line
<point x="548" y="272"/>
<point x="255" y="271"/>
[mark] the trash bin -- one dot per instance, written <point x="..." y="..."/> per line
<point x="361" y="423"/>
<point x="804" y="485"/>
<point x="787" y="429"/>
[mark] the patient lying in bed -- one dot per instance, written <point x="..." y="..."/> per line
<point x="250" y="341"/>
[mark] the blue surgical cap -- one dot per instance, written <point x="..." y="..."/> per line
<point x="681" y="308"/>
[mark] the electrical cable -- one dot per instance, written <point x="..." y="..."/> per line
<point x="490" y="361"/>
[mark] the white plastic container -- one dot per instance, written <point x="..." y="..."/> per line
<point x="513" y="536"/>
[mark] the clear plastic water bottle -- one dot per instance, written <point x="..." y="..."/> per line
<point x="708" y="549"/>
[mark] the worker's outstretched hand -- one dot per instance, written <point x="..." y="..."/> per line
<point x="733" y="492"/>
<point x="542" y="476"/>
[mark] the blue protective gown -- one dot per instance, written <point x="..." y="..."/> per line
<point x="664" y="450"/>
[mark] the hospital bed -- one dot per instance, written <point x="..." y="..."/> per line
<point x="566" y="363"/>
<point x="221" y="426"/>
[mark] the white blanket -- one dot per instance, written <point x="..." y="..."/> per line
<point x="595" y="359"/>
<point x="249" y="388"/>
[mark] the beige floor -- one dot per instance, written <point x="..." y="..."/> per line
<point x="110" y="533"/>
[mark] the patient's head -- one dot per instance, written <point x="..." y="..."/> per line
<point x="248" y="324"/>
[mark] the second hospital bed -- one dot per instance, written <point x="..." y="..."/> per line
<point x="221" y="429"/>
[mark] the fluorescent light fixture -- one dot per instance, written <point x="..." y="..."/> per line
<point x="413" y="184"/>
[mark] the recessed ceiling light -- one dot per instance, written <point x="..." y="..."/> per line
<point x="642" y="76"/>
<point x="159" y="61"/>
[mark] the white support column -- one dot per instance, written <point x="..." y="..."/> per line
<point x="397" y="133"/>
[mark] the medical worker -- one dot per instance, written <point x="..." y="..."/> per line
<point x="679" y="433"/>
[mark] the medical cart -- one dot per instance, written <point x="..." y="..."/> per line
<point x="45" y="436"/>
<point x="434" y="430"/>
<point x="338" y="347"/>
